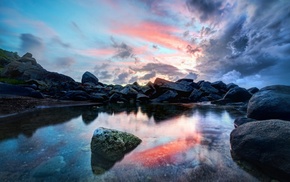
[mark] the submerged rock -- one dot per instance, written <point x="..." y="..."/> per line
<point x="272" y="102"/>
<point x="265" y="143"/>
<point x="113" y="144"/>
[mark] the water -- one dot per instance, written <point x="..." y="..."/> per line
<point x="184" y="142"/>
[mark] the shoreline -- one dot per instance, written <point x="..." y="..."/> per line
<point x="14" y="105"/>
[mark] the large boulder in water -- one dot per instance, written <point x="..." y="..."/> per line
<point x="272" y="102"/>
<point x="168" y="96"/>
<point x="265" y="143"/>
<point x="113" y="144"/>
<point x="89" y="78"/>
<point x="238" y="94"/>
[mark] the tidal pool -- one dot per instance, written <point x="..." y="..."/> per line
<point x="180" y="142"/>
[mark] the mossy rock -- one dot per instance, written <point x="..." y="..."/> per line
<point x="113" y="144"/>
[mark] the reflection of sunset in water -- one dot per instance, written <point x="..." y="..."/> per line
<point x="163" y="154"/>
<point x="179" y="141"/>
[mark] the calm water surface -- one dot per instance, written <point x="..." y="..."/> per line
<point x="179" y="143"/>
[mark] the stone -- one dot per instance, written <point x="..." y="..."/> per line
<point x="168" y="96"/>
<point x="242" y="120"/>
<point x="265" y="143"/>
<point x="238" y="94"/>
<point x="88" y="77"/>
<point x="231" y="85"/>
<point x="77" y="95"/>
<point x="219" y="85"/>
<point x="27" y="58"/>
<point x="206" y="87"/>
<point x="8" y="89"/>
<point x="117" y="97"/>
<point x="253" y="90"/>
<point x="271" y="102"/>
<point x="142" y="97"/>
<point x="165" y="84"/>
<point x="113" y="144"/>
<point x="195" y="95"/>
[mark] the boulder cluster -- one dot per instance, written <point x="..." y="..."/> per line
<point x="263" y="137"/>
<point x="35" y="78"/>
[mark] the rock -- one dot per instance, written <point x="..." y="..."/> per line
<point x="113" y="144"/>
<point x="27" y="58"/>
<point x="206" y="87"/>
<point x="49" y="167"/>
<point x="253" y="90"/>
<point x="195" y="95"/>
<point x="148" y="89"/>
<point x="169" y="96"/>
<point x="129" y="92"/>
<point x="238" y="94"/>
<point x="89" y="78"/>
<point x="272" y="102"/>
<point x="265" y="143"/>
<point x="212" y="97"/>
<point x="142" y="98"/>
<point x="8" y="89"/>
<point x="117" y="97"/>
<point x="219" y="85"/>
<point x="242" y="120"/>
<point x="179" y="87"/>
<point x="77" y="95"/>
<point x="231" y="85"/>
<point x="99" y="97"/>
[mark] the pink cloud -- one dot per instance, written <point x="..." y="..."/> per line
<point x="153" y="32"/>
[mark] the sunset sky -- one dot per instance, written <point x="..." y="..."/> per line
<point x="121" y="41"/>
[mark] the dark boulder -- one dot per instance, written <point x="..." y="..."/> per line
<point x="206" y="87"/>
<point x="27" y="58"/>
<point x="165" y="84"/>
<point x="76" y="95"/>
<point x="231" y="85"/>
<point x="129" y="91"/>
<point x="148" y="89"/>
<point x="195" y="95"/>
<point x="117" y="97"/>
<point x="142" y="98"/>
<point x="253" y="90"/>
<point x="99" y="97"/>
<point x="265" y="143"/>
<point x="219" y="85"/>
<point x="89" y="78"/>
<point x="212" y="97"/>
<point x="168" y="96"/>
<point x="113" y="144"/>
<point x="238" y="94"/>
<point x="15" y="90"/>
<point x="272" y="102"/>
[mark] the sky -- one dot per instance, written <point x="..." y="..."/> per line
<point x="246" y="42"/>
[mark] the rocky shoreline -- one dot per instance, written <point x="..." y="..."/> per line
<point x="262" y="138"/>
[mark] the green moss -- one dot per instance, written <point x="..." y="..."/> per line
<point x="11" y="81"/>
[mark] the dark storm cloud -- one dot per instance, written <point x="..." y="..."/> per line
<point x="104" y="75"/>
<point x="206" y="9"/>
<point x="65" y="61"/>
<point x="31" y="43"/>
<point x="250" y="44"/>
<point x="160" y="68"/>
<point x="148" y="76"/>
<point x="122" y="78"/>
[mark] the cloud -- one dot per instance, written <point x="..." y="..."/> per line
<point x="250" y="44"/>
<point x="32" y="44"/>
<point x="58" y="41"/>
<point x="191" y="75"/>
<point x="122" y="78"/>
<point x="65" y="61"/>
<point x="207" y="9"/>
<point x="148" y="76"/>
<point x="104" y="75"/>
<point x="77" y="29"/>
<point x="133" y="79"/>
<point x="160" y="68"/>
<point x="123" y="50"/>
